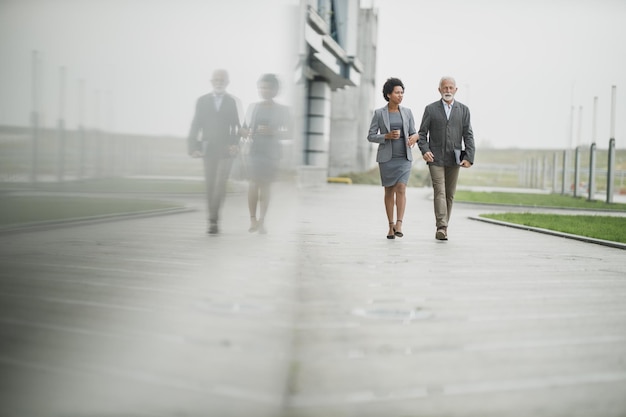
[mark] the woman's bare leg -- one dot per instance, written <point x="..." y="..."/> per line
<point x="389" y="206"/>
<point x="253" y="197"/>
<point x="400" y="192"/>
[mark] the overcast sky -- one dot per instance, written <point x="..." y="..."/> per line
<point x="519" y="64"/>
<point x="146" y="60"/>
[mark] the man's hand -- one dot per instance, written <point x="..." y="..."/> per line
<point x="428" y="156"/>
<point x="244" y="132"/>
<point x="465" y="163"/>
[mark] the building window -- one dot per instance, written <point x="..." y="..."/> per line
<point x="326" y="9"/>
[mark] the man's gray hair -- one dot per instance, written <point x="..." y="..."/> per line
<point x="447" y="78"/>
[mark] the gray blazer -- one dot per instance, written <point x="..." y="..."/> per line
<point x="380" y="126"/>
<point x="442" y="136"/>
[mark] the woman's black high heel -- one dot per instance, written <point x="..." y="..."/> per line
<point x="392" y="236"/>
<point x="395" y="232"/>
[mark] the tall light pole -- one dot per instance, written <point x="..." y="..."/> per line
<point x="61" y="126"/>
<point x="611" y="163"/>
<point x="81" y="126"/>
<point x="34" y="116"/>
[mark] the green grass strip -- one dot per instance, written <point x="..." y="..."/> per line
<point x="535" y="200"/>
<point x="610" y="228"/>
<point x="16" y="210"/>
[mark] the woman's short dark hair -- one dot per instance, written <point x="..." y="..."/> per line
<point x="270" y="79"/>
<point x="390" y="84"/>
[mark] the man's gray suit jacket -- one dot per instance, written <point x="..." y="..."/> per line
<point x="219" y="128"/>
<point x="442" y="136"/>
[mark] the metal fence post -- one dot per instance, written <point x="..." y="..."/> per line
<point x="554" y="161"/>
<point x="610" y="174"/>
<point x="592" y="171"/>
<point x="576" y="170"/>
<point x="564" y="174"/>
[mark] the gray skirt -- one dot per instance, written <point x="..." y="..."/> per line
<point x="394" y="171"/>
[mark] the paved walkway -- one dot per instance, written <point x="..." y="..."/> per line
<point x="321" y="317"/>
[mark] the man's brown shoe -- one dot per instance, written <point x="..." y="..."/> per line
<point x="442" y="234"/>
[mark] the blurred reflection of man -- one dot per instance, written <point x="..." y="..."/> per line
<point x="217" y="117"/>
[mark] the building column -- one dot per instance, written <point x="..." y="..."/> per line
<point x="314" y="171"/>
<point x="318" y="124"/>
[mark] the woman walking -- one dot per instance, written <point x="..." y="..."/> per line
<point x="393" y="128"/>
<point x="269" y="124"/>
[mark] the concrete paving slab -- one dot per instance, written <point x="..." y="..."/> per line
<point x="323" y="316"/>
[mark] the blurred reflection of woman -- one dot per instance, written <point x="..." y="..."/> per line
<point x="268" y="122"/>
